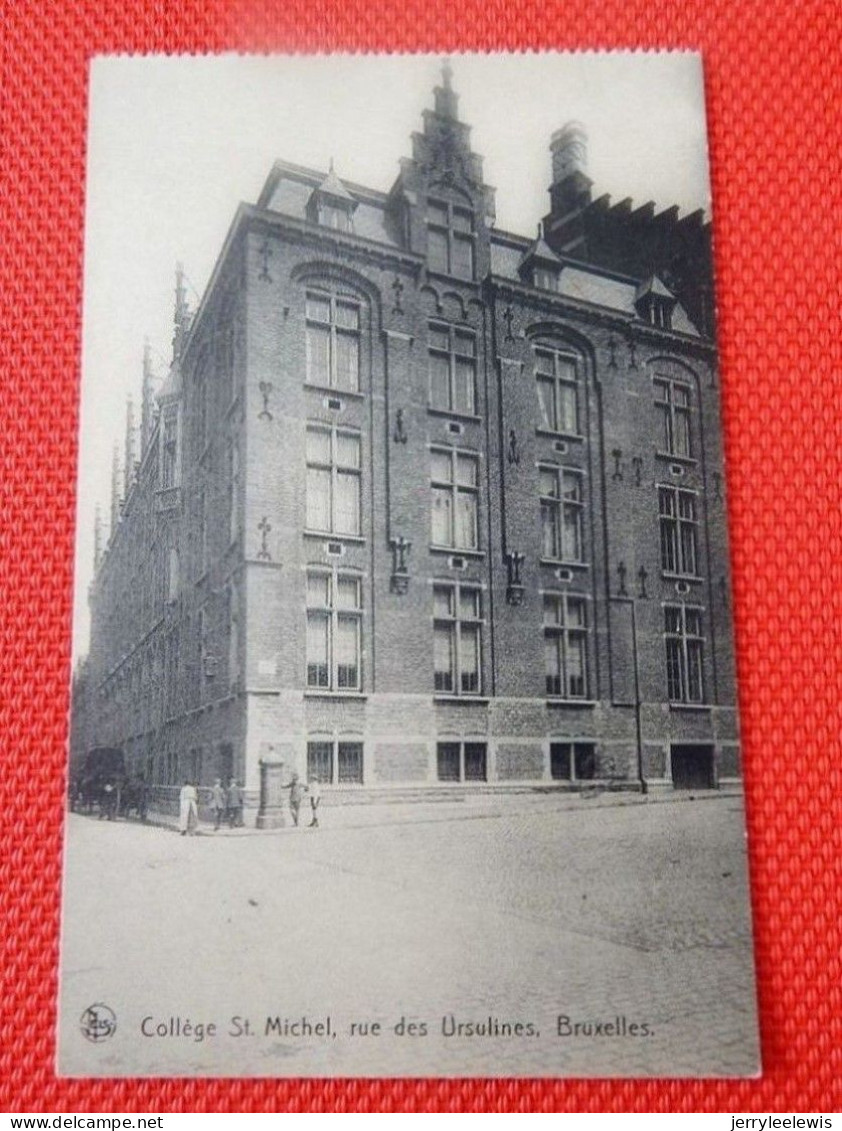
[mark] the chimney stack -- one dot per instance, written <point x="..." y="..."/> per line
<point x="147" y="404"/>
<point x="570" y="191"/>
<point x="131" y="455"/>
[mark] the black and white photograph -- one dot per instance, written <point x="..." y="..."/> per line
<point x="404" y="731"/>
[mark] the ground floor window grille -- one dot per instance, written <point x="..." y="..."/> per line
<point x="462" y="761"/>
<point x="335" y="763"/>
<point x="572" y="761"/>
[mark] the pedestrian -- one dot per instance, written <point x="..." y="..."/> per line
<point x="188" y="809"/>
<point x="235" y="805"/>
<point x="218" y="803"/>
<point x="296" y="794"/>
<point x="315" y="791"/>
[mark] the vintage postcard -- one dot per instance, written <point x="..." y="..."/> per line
<point x="404" y="733"/>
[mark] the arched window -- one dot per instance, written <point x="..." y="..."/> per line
<point x="556" y="375"/>
<point x="333" y="339"/>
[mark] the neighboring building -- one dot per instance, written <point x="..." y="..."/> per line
<point x="424" y="501"/>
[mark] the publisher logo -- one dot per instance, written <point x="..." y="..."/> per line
<point x="98" y="1023"/>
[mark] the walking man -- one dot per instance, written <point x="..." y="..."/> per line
<point x="188" y="809"/>
<point x="217" y="803"/>
<point x="315" y="791"/>
<point x="296" y="794"/>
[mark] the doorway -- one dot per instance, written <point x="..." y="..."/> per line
<point x="693" y="766"/>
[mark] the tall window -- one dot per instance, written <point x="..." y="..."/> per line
<point x="234" y="493"/>
<point x="453" y="369"/>
<point x="335" y="763"/>
<point x="557" y="391"/>
<point x="562" y="511"/>
<point x="679" y="543"/>
<point x="457" y="639"/>
<point x="672" y="402"/>
<point x="333" y="480"/>
<point x="334" y="626"/>
<point x="565" y="646"/>
<point x="450" y="239"/>
<point x="685" y="652"/>
<point x="333" y="341"/>
<point x="455" y="489"/>
<point x="169" y="447"/>
<point x="461" y="761"/>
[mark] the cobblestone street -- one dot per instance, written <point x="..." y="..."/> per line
<point x="636" y="912"/>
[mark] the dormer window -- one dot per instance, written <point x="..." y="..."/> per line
<point x="545" y="279"/>
<point x="450" y="239"/>
<point x="655" y="303"/>
<point x="331" y="205"/>
<point x="540" y="265"/>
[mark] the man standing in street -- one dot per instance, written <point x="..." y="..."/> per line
<point x="217" y="803"/>
<point x="296" y="794"/>
<point x="235" y="805"/>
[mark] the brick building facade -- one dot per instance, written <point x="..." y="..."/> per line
<point x="422" y="501"/>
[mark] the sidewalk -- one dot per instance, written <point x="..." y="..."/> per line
<point x="471" y="807"/>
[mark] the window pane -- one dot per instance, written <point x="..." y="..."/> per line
<point x="469" y="607"/>
<point x="687" y="505"/>
<point x="347" y="593"/>
<point x="463" y="257"/>
<point x="447" y="761"/>
<point x="568" y="417"/>
<point x="665" y="428"/>
<point x="545" y="362"/>
<point x="688" y="549"/>
<point x="462" y="221"/>
<point x="694" y="622"/>
<point x="552" y="664"/>
<point x="437" y="213"/>
<point x="674" y="670"/>
<point x="350" y="762"/>
<point x="440" y="339"/>
<point x="347" y="450"/>
<point x="318" y="446"/>
<point x="549" y="483"/>
<point x="318" y="628"/>
<point x="666" y="501"/>
<point x="466" y="521"/>
<point x="682" y="433"/>
<point x="575" y="612"/>
<point x="546" y="400"/>
<point x="347" y="315"/>
<point x="560" y="761"/>
<point x="442" y="517"/>
<point x="442" y="464"/>
<point x="695" y="692"/>
<point x="465" y="384"/>
<point x="318" y="355"/>
<point x="443" y="601"/>
<point x="475" y="761"/>
<point x="347" y="510"/>
<point x="669" y="545"/>
<point x="437" y="250"/>
<point x="572" y="535"/>
<point x="673" y="620"/>
<point x="584" y="760"/>
<point x="318" y="590"/>
<point x="347" y="361"/>
<point x="439" y="382"/>
<point x="576" y="686"/>
<point x="347" y="652"/>
<point x="465" y="345"/>
<point x="318" y="307"/>
<point x="681" y="396"/>
<point x="469" y="658"/>
<point x="320" y="761"/>
<point x="444" y="657"/>
<point x="466" y="471"/>
<point x="550" y="530"/>
<point x="552" y="610"/>
<point x="572" y="485"/>
<point x="318" y="499"/>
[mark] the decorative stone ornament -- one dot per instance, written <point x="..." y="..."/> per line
<point x="400" y="573"/>
<point x="515" y="589"/>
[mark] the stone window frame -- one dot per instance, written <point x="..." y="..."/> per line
<point x="562" y="631"/>
<point x="685" y="654"/>
<point x="457" y="491"/>
<point x="559" y="383"/>
<point x="337" y="470"/>
<point x="679" y="533"/>
<point x="335" y="776"/>
<point x="671" y="414"/>
<point x="456" y="625"/>
<point x="572" y="775"/>
<point x="454" y="356"/>
<point x="443" y="221"/>
<point x="333" y="614"/>
<point x="338" y="298"/>
<point x="559" y="506"/>
<point x="465" y="771"/>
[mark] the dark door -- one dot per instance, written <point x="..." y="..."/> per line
<point x="692" y="767"/>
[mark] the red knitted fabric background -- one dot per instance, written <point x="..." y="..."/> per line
<point x="773" y="90"/>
